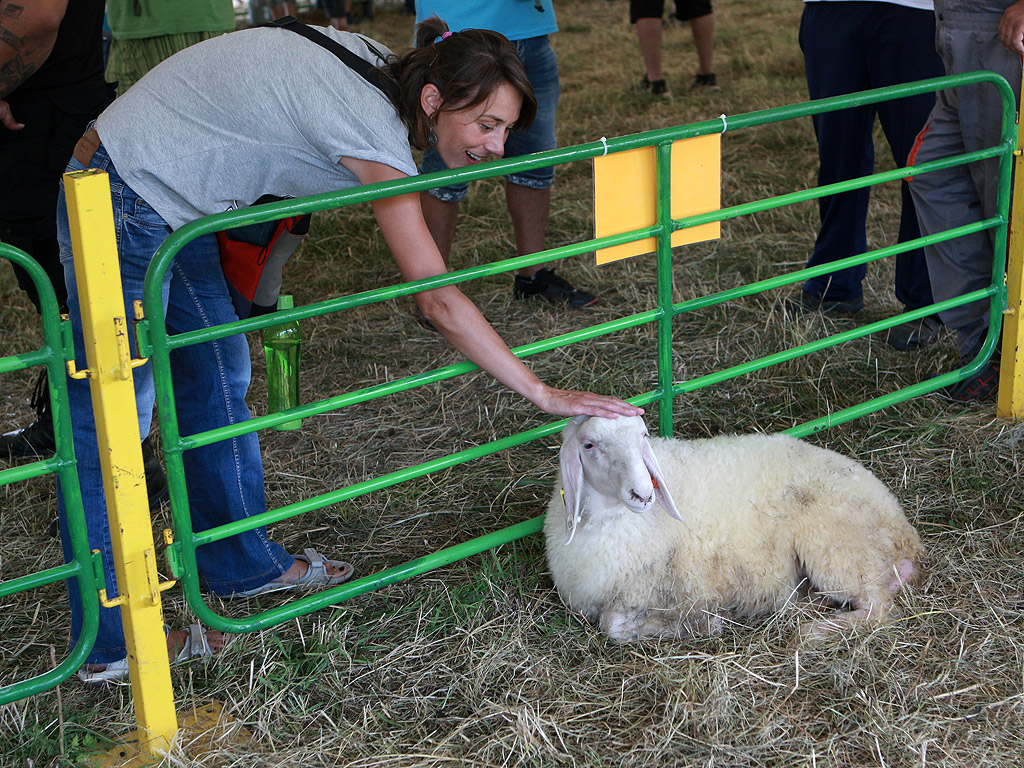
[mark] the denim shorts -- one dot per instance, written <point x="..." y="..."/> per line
<point x="541" y="65"/>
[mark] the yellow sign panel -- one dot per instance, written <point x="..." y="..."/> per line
<point x="625" y="194"/>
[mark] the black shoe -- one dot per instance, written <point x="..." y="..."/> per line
<point x="35" y="441"/>
<point x="805" y="302"/>
<point x="655" y="87"/>
<point x="706" y="82"/>
<point x="156" y="484"/>
<point x="980" y="386"/>
<point x="550" y="286"/>
<point x="917" y="334"/>
<point x="156" y="480"/>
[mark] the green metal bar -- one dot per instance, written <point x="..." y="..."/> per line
<point x="789" y="278"/>
<point x="663" y="166"/>
<point x="411" y="382"/>
<point x="39" y="578"/>
<point x="334" y="595"/>
<point x="461" y="457"/>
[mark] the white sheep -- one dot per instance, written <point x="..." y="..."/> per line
<point x="759" y="521"/>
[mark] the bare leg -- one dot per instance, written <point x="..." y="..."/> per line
<point x="176" y="641"/>
<point x="277" y="10"/>
<point x="648" y="33"/>
<point x="529" y="210"/>
<point x="440" y="216"/>
<point x="703" y="28"/>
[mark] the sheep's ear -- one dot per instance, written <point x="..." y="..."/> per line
<point x="572" y="485"/>
<point x="661" y="492"/>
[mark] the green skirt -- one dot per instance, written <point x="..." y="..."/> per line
<point x="129" y="60"/>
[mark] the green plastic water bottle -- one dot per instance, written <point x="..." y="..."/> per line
<point x="281" y="344"/>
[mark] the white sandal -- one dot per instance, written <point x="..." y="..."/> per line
<point x="116" y="672"/>
<point x="315" y="576"/>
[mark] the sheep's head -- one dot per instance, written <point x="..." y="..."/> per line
<point x="613" y="458"/>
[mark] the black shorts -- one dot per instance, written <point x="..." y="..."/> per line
<point x="654" y="9"/>
<point x="334" y="9"/>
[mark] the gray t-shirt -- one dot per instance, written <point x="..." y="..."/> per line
<point x="254" y="112"/>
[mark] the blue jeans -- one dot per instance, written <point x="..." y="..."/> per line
<point x="225" y="479"/>
<point x="541" y="65"/>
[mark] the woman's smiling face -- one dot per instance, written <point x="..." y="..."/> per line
<point x="474" y="134"/>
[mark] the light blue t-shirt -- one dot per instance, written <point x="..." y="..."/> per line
<point x="254" y="112"/>
<point x="515" y="19"/>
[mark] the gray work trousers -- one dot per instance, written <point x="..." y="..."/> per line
<point x="963" y="120"/>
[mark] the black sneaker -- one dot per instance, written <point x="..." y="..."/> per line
<point x="550" y="286"/>
<point x="35" y="441"/>
<point x="805" y="302"/>
<point x="156" y="479"/>
<point x="917" y="334"/>
<point x="706" y="82"/>
<point x="655" y="87"/>
<point x="156" y="484"/>
<point x="980" y="386"/>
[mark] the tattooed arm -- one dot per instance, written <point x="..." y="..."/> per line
<point x="28" y="30"/>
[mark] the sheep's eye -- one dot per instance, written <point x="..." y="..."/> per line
<point x="588" y="445"/>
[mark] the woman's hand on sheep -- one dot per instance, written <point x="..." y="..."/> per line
<point x="571" y="402"/>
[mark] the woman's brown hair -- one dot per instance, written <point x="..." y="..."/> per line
<point x="466" y="67"/>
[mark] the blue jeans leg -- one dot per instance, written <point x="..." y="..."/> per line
<point x="224" y="479"/>
<point x="214" y="377"/>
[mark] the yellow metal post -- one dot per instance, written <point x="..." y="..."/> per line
<point x="1010" y="403"/>
<point x="110" y="366"/>
<point x="1011" y="375"/>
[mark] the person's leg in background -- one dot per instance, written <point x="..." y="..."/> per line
<point x="702" y="25"/>
<point x="527" y="194"/>
<point x="964" y="119"/>
<point x="904" y="51"/>
<point x="28" y="215"/>
<point x="336" y="12"/>
<point x="835" y="51"/>
<point x="647" y="16"/>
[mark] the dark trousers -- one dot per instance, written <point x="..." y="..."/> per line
<point x="856" y="46"/>
<point x="32" y="161"/>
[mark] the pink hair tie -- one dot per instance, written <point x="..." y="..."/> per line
<point x="446" y="35"/>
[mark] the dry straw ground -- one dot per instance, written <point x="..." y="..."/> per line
<point x="478" y="664"/>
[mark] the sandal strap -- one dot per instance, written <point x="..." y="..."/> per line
<point x="317" y="567"/>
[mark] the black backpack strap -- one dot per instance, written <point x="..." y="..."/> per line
<point x="369" y="72"/>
